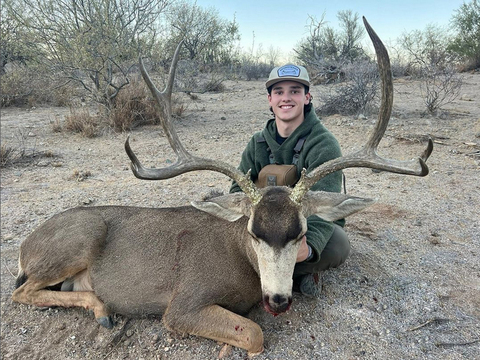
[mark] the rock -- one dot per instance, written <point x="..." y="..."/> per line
<point x="466" y="97"/>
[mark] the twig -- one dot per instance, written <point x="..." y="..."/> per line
<point x="118" y="337"/>
<point x="6" y="267"/>
<point x="434" y="320"/>
<point x="458" y="344"/>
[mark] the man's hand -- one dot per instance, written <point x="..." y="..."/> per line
<point x="303" y="251"/>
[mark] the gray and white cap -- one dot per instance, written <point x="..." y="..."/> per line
<point x="288" y="72"/>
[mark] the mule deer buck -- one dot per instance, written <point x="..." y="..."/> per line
<point x="201" y="266"/>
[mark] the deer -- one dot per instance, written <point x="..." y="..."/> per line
<point x="202" y="267"/>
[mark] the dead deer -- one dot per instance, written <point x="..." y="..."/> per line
<point x="201" y="266"/>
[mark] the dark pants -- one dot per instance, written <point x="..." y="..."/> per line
<point x="335" y="253"/>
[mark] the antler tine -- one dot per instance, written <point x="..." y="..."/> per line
<point x="367" y="156"/>
<point x="387" y="89"/>
<point x="185" y="161"/>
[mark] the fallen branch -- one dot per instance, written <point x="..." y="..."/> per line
<point x="6" y="267"/>
<point x="458" y="344"/>
<point x="434" y="320"/>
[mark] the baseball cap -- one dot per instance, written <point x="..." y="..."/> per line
<point x="288" y="72"/>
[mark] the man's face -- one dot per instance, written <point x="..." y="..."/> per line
<point x="287" y="100"/>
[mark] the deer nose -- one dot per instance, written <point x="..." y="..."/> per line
<point x="280" y="303"/>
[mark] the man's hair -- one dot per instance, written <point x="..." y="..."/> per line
<point x="306" y="108"/>
<point x="269" y="89"/>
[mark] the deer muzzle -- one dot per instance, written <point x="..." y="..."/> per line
<point x="277" y="304"/>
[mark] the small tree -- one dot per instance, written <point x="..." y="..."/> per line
<point x="15" y="44"/>
<point x="466" y="43"/>
<point x="91" y="42"/>
<point x="440" y="87"/>
<point x="428" y="48"/>
<point x="433" y="62"/>
<point x="206" y="37"/>
<point x="326" y="50"/>
<point x="272" y="56"/>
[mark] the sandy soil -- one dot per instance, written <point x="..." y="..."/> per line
<point x="410" y="289"/>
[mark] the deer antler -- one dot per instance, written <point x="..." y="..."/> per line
<point x="185" y="161"/>
<point x="367" y="156"/>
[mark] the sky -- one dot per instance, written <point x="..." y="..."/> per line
<point x="282" y="24"/>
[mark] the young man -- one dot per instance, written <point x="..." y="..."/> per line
<point x="296" y="136"/>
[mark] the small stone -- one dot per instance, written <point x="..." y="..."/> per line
<point x="8" y="237"/>
<point x="155" y="339"/>
<point x="43" y="163"/>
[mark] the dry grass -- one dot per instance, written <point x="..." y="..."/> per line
<point x="132" y="107"/>
<point x="82" y="122"/>
<point x="6" y="155"/>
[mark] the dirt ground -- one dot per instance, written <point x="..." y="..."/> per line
<point x="409" y="290"/>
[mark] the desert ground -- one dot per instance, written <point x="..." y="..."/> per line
<point x="409" y="290"/>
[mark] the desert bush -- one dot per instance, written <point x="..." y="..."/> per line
<point x="440" y="87"/>
<point x="80" y="121"/>
<point x="254" y="70"/>
<point x="187" y="76"/>
<point x="94" y="43"/>
<point x="325" y="46"/>
<point x="6" y="155"/>
<point x="23" y="151"/>
<point x="193" y="77"/>
<point x="24" y="85"/>
<point x="357" y="94"/>
<point x="132" y="107"/>
<point x="206" y="36"/>
<point x="215" y="83"/>
<point x="466" y="42"/>
<point x="16" y="86"/>
<point x="426" y="48"/>
<point x="323" y="72"/>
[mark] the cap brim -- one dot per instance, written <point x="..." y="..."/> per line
<point x="286" y="78"/>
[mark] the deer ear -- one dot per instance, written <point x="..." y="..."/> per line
<point x="229" y="207"/>
<point x="332" y="206"/>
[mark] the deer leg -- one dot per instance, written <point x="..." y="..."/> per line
<point x="217" y="323"/>
<point x="32" y="293"/>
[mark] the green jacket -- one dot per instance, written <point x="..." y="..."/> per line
<point x="320" y="146"/>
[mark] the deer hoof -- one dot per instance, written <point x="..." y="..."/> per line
<point x="105" y="321"/>
<point x="251" y="355"/>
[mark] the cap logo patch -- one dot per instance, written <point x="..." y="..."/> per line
<point x="289" y="70"/>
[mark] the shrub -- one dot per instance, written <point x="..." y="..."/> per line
<point x="80" y="121"/>
<point x="357" y="94"/>
<point x="215" y="83"/>
<point x="132" y="107"/>
<point x="29" y="86"/>
<point x="466" y="43"/>
<point x="6" y="155"/>
<point x="255" y="70"/>
<point x="440" y="87"/>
